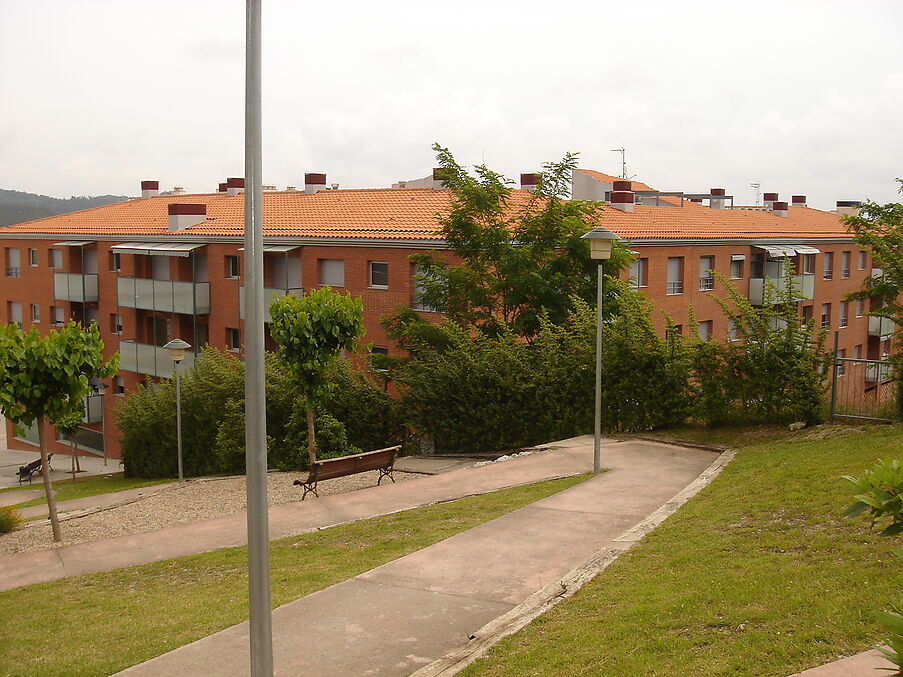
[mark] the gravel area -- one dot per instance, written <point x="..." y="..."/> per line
<point x="194" y="501"/>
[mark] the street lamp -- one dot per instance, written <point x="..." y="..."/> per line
<point x="600" y="241"/>
<point x="177" y="348"/>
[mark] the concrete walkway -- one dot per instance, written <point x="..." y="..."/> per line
<point x="11" y="459"/>
<point x="405" y="614"/>
<point x="866" y="664"/>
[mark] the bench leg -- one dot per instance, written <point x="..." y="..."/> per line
<point x="309" y="488"/>
<point x="385" y="472"/>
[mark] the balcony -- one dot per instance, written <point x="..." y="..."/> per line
<point x="75" y="287"/>
<point x="190" y="298"/>
<point x="268" y="296"/>
<point x="877" y="371"/>
<point x="143" y="358"/>
<point x="805" y="285"/>
<point x="881" y="326"/>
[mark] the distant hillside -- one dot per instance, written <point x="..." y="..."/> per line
<point x="16" y="206"/>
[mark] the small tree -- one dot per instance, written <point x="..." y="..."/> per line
<point x="46" y="379"/>
<point x="311" y="332"/>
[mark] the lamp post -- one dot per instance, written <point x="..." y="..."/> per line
<point x="177" y="348"/>
<point x="600" y="241"/>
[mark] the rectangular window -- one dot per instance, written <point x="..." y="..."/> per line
<point x="862" y="260"/>
<point x="33" y="257"/>
<point x="332" y="272"/>
<point x="706" y="280"/>
<point x="736" y="269"/>
<point x="118" y="385"/>
<point x="860" y="307"/>
<point x="35" y="312"/>
<point x="379" y="275"/>
<point x="233" y="339"/>
<point x="825" y="315"/>
<point x="417" y="291"/>
<point x="809" y="263"/>
<point x="807" y="314"/>
<point x="675" y="331"/>
<point x="638" y="272"/>
<point x="14" y="312"/>
<point x="57" y="316"/>
<point x="733" y="332"/>
<point x="845" y="265"/>
<point x="379" y="350"/>
<point x="841" y="366"/>
<point x="675" y="275"/>
<point x="705" y="330"/>
<point x="857" y="352"/>
<point x="231" y="268"/>
<point x="757" y="266"/>
<point x="829" y="266"/>
<point x="12" y="262"/>
<point x="844" y="314"/>
<point x="115" y="323"/>
<point x="115" y="262"/>
<point x="55" y="258"/>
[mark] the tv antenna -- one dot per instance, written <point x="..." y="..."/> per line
<point x="623" y="152"/>
<point x="755" y="185"/>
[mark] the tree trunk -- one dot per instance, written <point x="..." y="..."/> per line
<point x="48" y="489"/>
<point x="75" y="465"/>
<point x="311" y="442"/>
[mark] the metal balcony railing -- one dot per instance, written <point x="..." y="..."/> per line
<point x="759" y="288"/>
<point x="75" y="287"/>
<point x="706" y="283"/>
<point x="143" y="358"/>
<point x="168" y="296"/>
<point x="675" y="288"/>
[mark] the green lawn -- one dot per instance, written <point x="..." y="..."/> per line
<point x="759" y="575"/>
<point x="82" y="487"/>
<point x="101" y="623"/>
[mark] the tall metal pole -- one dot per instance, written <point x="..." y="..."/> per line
<point x="261" y="627"/>
<point x="597" y="433"/>
<point x="175" y="368"/>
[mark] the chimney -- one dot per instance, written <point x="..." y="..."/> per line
<point x="234" y="186"/>
<point x="177" y="190"/>
<point x="696" y="200"/>
<point x="769" y="199"/>
<point x="291" y="188"/>
<point x="848" y="207"/>
<point x="622" y="196"/>
<point x="182" y="216"/>
<point x="529" y="181"/>
<point x="798" y="200"/>
<point x="438" y="181"/>
<point x="150" y="188"/>
<point x="314" y="182"/>
<point x="779" y="209"/>
<point x="717" y="201"/>
<point x="222" y="187"/>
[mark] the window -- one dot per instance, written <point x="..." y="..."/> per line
<point x="231" y="269"/>
<point x="379" y="275"/>
<point x="757" y="266"/>
<point x="33" y="257"/>
<point x="706" y="281"/>
<point x="379" y="350"/>
<point x="857" y="352"/>
<point x="736" y="268"/>
<point x="233" y="340"/>
<point x="825" y="315"/>
<point x="841" y="365"/>
<point x="638" y="268"/>
<point x="55" y="258"/>
<point x="57" y="316"/>
<point x="844" y="313"/>
<point x="809" y="263"/>
<point x="733" y="332"/>
<point x="675" y="331"/>
<point x="14" y="312"/>
<point x="160" y="267"/>
<point x="860" y="307"/>
<point x="417" y="291"/>
<point x="115" y="262"/>
<point x="118" y="385"/>
<point x="12" y="262"/>
<point x="862" y="261"/>
<point x="829" y="266"/>
<point x="332" y="272"/>
<point x="807" y="314"/>
<point x="675" y="275"/>
<point x="845" y="265"/>
<point x="115" y="323"/>
<point x="705" y="330"/>
<point x="35" y="312"/>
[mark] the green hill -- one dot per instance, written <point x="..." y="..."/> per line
<point x="17" y="206"/>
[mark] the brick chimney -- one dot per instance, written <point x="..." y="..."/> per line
<point x="222" y="188"/>
<point x="797" y="200"/>
<point x="529" y="181"/>
<point x="779" y="209"/>
<point x="848" y="207"/>
<point x="769" y="199"/>
<point x="234" y="186"/>
<point x="182" y="216"/>
<point x="715" y="202"/>
<point x="150" y="188"/>
<point x="622" y="196"/>
<point x="314" y="182"/>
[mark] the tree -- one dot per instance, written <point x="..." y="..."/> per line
<point x="46" y="379"/>
<point x="520" y="257"/>
<point x="311" y="332"/>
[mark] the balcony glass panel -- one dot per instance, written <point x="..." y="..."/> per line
<point x="758" y="288"/>
<point x="167" y="296"/>
<point x="268" y="295"/>
<point x="881" y="326"/>
<point x="75" y="287"/>
<point x="143" y="358"/>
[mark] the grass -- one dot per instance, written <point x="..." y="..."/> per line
<point x="759" y="575"/>
<point x="66" y="490"/>
<point x="102" y="623"/>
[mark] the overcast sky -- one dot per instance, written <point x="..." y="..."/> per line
<point x="804" y="97"/>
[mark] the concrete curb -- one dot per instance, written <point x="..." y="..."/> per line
<point x="549" y="596"/>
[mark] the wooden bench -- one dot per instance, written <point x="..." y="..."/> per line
<point x="26" y="472"/>
<point x="330" y="468"/>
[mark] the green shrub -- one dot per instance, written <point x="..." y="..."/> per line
<point x="879" y="492"/>
<point x="9" y="519"/>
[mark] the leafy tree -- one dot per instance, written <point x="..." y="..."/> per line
<point x="520" y="258"/>
<point x="46" y="379"/>
<point x="311" y="332"/>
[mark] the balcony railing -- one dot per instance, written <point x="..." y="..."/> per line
<point x="706" y="283"/>
<point x="268" y="295"/>
<point x="75" y="287"/>
<point x="168" y="296"/>
<point x="143" y="358"/>
<point x="12" y="272"/>
<point x="877" y="371"/>
<point x="675" y="288"/>
<point x="881" y="326"/>
<point x="805" y="285"/>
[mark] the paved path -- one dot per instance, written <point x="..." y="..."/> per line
<point x="866" y="664"/>
<point x="405" y="614"/>
<point x="11" y="459"/>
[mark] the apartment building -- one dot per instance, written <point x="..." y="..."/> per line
<point x="165" y="266"/>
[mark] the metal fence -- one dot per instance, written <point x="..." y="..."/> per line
<point x="865" y="389"/>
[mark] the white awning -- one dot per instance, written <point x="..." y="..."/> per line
<point x="738" y="257"/>
<point x="804" y="249"/>
<point x="72" y="243"/>
<point x="778" y="251"/>
<point x="281" y="248"/>
<point x="157" y="248"/>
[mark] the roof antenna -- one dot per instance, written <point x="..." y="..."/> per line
<point x="623" y="152"/>
<point x="755" y="185"/>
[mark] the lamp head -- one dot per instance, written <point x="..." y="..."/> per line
<point x="177" y="348"/>
<point x="600" y="241"/>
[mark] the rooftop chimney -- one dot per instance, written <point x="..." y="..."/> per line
<point x="529" y="181"/>
<point x="779" y="209"/>
<point x="182" y="216"/>
<point x="715" y="202"/>
<point x="177" y="190"/>
<point x="234" y="186"/>
<point x="622" y="196"/>
<point x="314" y="182"/>
<point x="222" y="187"/>
<point x="150" y="188"/>
<point x="291" y="188"/>
<point x="848" y="207"/>
<point x="438" y="180"/>
<point x="769" y="199"/>
<point x="798" y="200"/>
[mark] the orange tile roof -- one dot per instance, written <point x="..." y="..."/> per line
<point x="405" y="214"/>
<point x="608" y="178"/>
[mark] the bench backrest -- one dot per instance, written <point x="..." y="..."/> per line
<point x="349" y="465"/>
